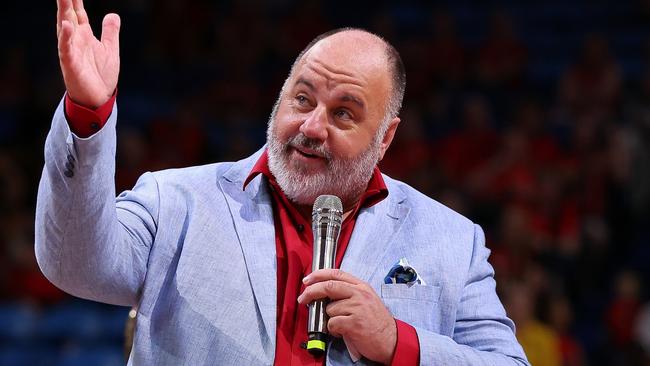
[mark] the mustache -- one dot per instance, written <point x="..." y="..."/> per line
<point x="301" y="140"/>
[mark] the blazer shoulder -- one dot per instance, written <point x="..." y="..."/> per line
<point x="193" y="174"/>
<point x="205" y="178"/>
<point x="424" y="207"/>
<point x="233" y="171"/>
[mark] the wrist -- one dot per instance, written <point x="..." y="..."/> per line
<point x="83" y="121"/>
<point x="391" y="343"/>
<point x="91" y="103"/>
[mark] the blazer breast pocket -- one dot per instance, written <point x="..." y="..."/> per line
<point x="415" y="292"/>
<point x="416" y="305"/>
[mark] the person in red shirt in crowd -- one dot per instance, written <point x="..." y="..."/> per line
<point x="502" y="57"/>
<point x="594" y="82"/>
<point x="446" y="55"/>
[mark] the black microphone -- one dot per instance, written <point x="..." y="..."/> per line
<point x="326" y="217"/>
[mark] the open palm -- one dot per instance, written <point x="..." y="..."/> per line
<point x="90" y="66"/>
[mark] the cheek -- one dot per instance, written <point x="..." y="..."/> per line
<point x="287" y="125"/>
<point x="348" y="144"/>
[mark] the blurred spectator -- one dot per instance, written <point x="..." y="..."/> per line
<point x="637" y="114"/>
<point x="25" y="282"/>
<point x="410" y="150"/>
<point x="508" y="175"/>
<point x="594" y="81"/>
<point x="642" y="332"/>
<point x="561" y="318"/>
<point x="465" y="149"/>
<point x="13" y="188"/>
<point x="133" y="154"/>
<point x="413" y="52"/>
<point x="623" y="309"/>
<point x="540" y="342"/>
<point x="14" y="77"/>
<point x="502" y="57"/>
<point x="446" y="54"/>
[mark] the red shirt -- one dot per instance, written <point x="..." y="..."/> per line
<point x="86" y="121"/>
<point x="293" y="241"/>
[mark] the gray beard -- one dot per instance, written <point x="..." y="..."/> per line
<point x="344" y="178"/>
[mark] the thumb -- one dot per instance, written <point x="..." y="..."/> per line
<point x="111" y="31"/>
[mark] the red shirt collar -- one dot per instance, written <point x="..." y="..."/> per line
<point x="375" y="192"/>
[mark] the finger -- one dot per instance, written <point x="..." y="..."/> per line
<point x="330" y="274"/>
<point x="65" y="41"/>
<point x="64" y="12"/>
<point x="111" y="32"/>
<point x="334" y="334"/>
<point x="333" y="290"/>
<point x="339" y="307"/>
<point x="79" y="10"/>
<point x="339" y="326"/>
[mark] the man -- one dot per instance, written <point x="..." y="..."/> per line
<point x="217" y="257"/>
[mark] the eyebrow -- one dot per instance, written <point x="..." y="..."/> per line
<point x="307" y="83"/>
<point x="353" y="99"/>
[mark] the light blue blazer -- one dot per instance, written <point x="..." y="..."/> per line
<point x="195" y="252"/>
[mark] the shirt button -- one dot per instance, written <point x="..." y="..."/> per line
<point x="300" y="228"/>
<point x="94" y="126"/>
<point x="68" y="173"/>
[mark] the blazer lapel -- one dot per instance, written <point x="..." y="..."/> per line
<point x="373" y="233"/>
<point x="252" y="215"/>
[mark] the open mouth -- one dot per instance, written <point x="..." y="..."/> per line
<point x="307" y="154"/>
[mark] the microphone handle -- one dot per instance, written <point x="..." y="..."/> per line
<point x="326" y="234"/>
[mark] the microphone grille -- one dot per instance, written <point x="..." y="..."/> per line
<point x="328" y="201"/>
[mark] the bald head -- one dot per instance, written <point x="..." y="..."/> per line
<point x="380" y="56"/>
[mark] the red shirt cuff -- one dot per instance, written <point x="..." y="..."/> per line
<point x="407" y="349"/>
<point x="84" y="122"/>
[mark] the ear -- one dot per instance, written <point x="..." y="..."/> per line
<point x="388" y="136"/>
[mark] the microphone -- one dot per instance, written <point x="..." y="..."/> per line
<point x="327" y="215"/>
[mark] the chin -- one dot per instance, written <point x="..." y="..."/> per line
<point x="305" y="171"/>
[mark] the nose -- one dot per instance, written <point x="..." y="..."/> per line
<point x="315" y="126"/>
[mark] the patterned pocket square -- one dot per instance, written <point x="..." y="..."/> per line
<point x="402" y="272"/>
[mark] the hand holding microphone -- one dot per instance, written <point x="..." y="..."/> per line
<point x="342" y="305"/>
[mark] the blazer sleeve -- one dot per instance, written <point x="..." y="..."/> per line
<point x="88" y="243"/>
<point x="483" y="334"/>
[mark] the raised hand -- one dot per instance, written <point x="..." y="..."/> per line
<point x="90" y="66"/>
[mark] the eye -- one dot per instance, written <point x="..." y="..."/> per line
<point x="301" y="99"/>
<point x="342" y="114"/>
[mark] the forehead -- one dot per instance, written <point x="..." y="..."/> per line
<point x="354" y="60"/>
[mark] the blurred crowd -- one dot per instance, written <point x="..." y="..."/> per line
<point x="530" y="118"/>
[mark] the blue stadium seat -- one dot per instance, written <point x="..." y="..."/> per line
<point x="97" y="356"/>
<point x="17" y="321"/>
<point x="84" y="322"/>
